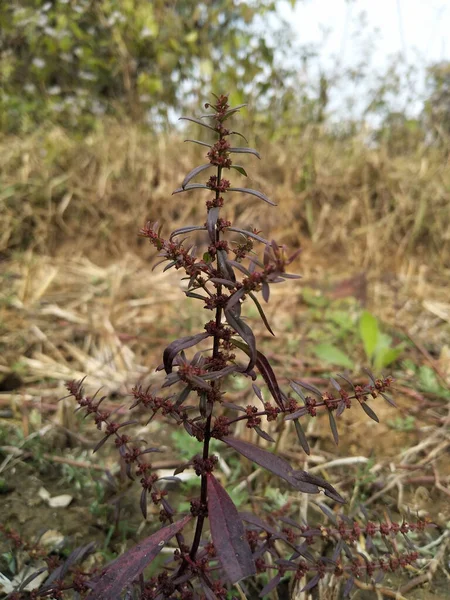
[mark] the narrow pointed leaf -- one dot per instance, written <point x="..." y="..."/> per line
<point x="311" y="583"/>
<point x="328" y="512"/>
<point x="257" y="391"/>
<point x="299" y="480"/>
<point x="302" y="437"/>
<point x="348" y="587"/>
<point x="335" y="384"/>
<point x="226" y="282"/>
<point x="240" y="170"/>
<point x="213" y="215"/>
<point x="266" y="371"/>
<point x="187" y="229"/>
<point x="369" y="412"/>
<point x="234" y="109"/>
<point x="259" y="195"/>
<point x="130" y="565"/>
<point x="298" y="390"/>
<point x="263" y="434"/>
<point x="243" y="150"/>
<point x="239" y="134"/>
<point x="194" y="295"/>
<point x="234" y="299"/>
<point x="209" y="594"/>
<point x="228" y="533"/>
<point x="191" y="186"/>
<point x="199" y="142"/>
<point x="178" y="345"/>
<point x="239" y="266"/>
<point x="267" y="589"/>
<point x="345" y="378"/>
<point x="265" y="291"/>
<point x="182" y="396"/>
<point x="224" y="265"/>
<point x="261" y="312"/>
<point x="310" y="388"/>
<point x="246" y="334"/>
<point x="197" y="121"/>
<point x="388" y="399"/>
<point x="333" y="427"/>
<point x="194" y="173"/>
<point x="249" y="234"/>
<point x="143" y="502"/>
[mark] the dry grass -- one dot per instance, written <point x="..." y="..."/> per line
<point x="371" y="206"/>
<point x="78" y="296"/>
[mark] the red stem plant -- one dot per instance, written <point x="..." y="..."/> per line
<point x="225" y="546"/>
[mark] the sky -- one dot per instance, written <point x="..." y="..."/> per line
<point x="407" y="26"/>
<point x="414" y="30"/>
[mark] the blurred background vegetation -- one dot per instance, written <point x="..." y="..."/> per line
<point x="91" y="92"/>
<point x="91" y="148"/>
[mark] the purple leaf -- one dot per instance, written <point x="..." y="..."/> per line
<point x="266" y="371"/>
<point x="224" y="265"/>
<point x="257" y="522"/>
<point x="187" y="229"/>
<point x="370" y="375"/>
<point x="348" y="586"/>
<point x="310" y="388"/>
<point x="270" y="586"/>
<point x="191" y="186"/>
<point x="238" y="266"/>
<point x="213" y="215"/>
<point x="212" y="375"/>
<point x="269" y="377"/>
<point x="265" y="291"/>
<point x="143" y="502"/>
<point x="298" y="390"/>
<point x="345" y="378"/>
<point x="228" y="533"/>
<point x="233" y="406"/>
<point x="257" y="391"/>
<point x="299" y="480"/>
<point x="333" y="427"/>
<point x="200" y="143"/>
<point x="340" y="409"/>
<point x="263" y="434"/>
<point x="335" y="384"/>
<point x="311" y="584"/>
<point x="220" y="281"/>
<point x="260" y="310"/>
<point x="182" y="396"/>
<point x="233" y="110"/>
<point x="388" y="399"/>
<point x="369" y="412"/>
<point x="246" y="334"/>
<point x="197" y="121"/>
<point x="178" y="345"/>
<point x="234" y="299"/>
<point x="209" y="594"/>
<point x="130" y="565"/>
<point x="249" y="234"/>
<point x="301" y="412"/>
<point x="329" y="513"/>
<point x="239" y="134"/>
<point x="240" y="150"/>
<point x="302" y="437"/>
<point x="259" y="195"/>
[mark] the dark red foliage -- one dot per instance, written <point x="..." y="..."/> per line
<point x="223" y="277"/>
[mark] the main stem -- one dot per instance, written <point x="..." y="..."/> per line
<point x="207" y="438"/>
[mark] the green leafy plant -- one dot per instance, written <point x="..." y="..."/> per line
<point x="377" y="345"/>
